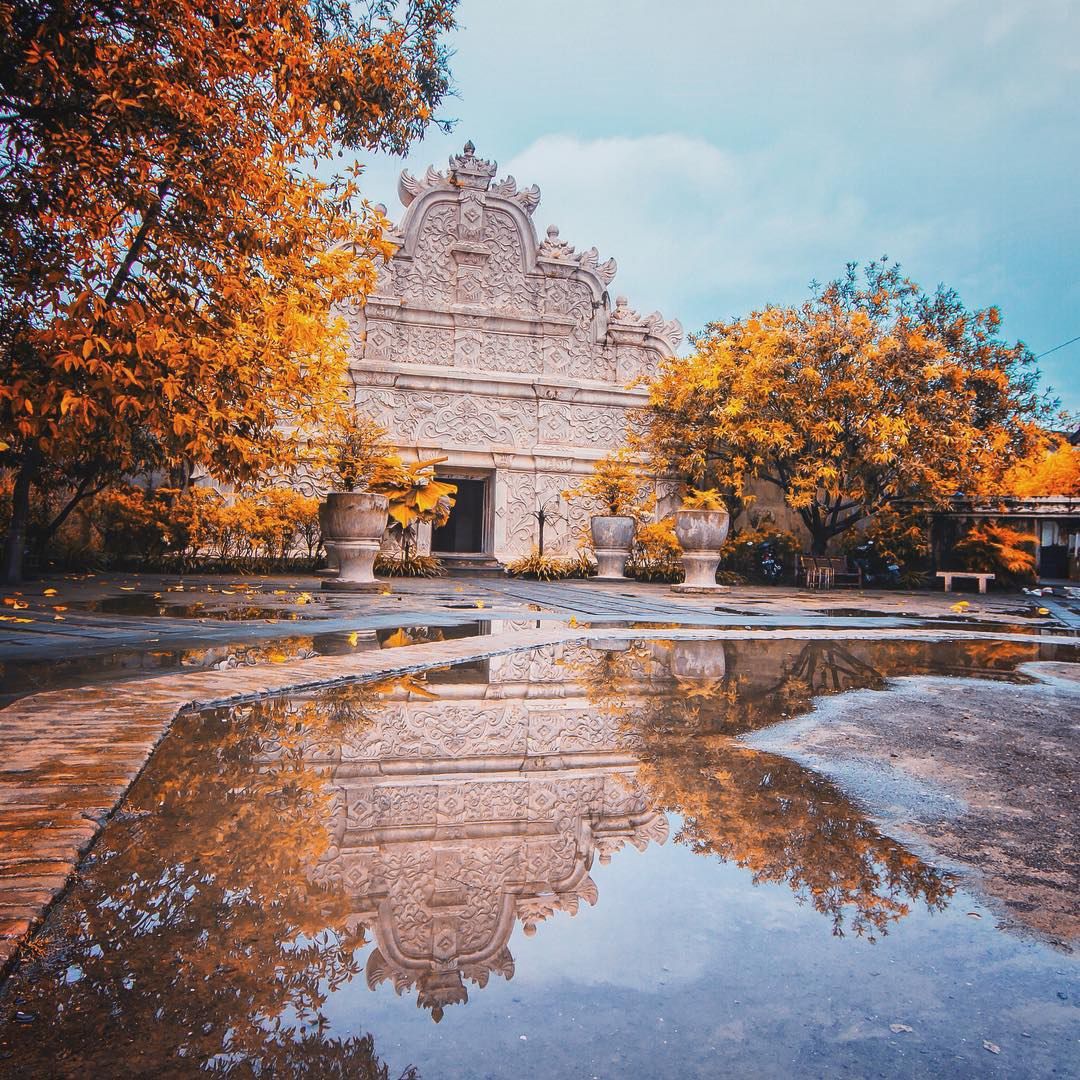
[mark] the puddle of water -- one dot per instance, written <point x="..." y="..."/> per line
<point x="20" y="677"/>
<point x="301" y="886"/>
<point x="158" y="605"/>
<point x="1048" y="626"/>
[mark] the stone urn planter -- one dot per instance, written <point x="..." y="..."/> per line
<point x="612" y="538"/>
<point x="701" y="534"/>
<point x="353" y="524"/>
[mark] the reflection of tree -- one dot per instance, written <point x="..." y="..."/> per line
<point x="786" y="824"/>
<point x="768" y="681"/>
<point x="766" y="813"/>
<point x="609" y="671"/>
<point x="197" y="938"/>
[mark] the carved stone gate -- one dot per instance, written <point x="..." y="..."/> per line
<point x="498" y="351"/>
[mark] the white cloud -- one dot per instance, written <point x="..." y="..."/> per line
<point x="702" y="232"/>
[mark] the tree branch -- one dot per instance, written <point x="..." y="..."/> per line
<point x="137" y="245"/>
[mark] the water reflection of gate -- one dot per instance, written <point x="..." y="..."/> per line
<point x="457" y="818"/>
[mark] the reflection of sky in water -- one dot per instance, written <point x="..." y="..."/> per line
<point x="684" y="968"/>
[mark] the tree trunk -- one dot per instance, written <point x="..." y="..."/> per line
<point x="819" y="541"/>
<point x="15" y="543"/>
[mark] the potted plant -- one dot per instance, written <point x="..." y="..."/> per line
<point x="616" y="486"/>
<point x="701" y="527"/>
<point x="353" y="516"/>
<point x="417" y="497"/>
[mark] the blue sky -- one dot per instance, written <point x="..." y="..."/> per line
<point x="727" y="153"/>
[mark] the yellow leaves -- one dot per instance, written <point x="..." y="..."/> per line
<point x="616" y="485"/>
<point x="960" y="606"/>
<point x="1053" y="468"/>
<point x="49" y="592"/>
<point x="16" y="603"/>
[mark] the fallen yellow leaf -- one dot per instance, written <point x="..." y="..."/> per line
<point x="127" y="588"/>
<point x="49" y="592"/>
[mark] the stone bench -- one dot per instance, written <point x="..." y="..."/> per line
<point x="950" y="575"/>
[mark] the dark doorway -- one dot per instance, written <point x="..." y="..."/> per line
<point x="1054" y="561"/>
<point x="464" y="532"/>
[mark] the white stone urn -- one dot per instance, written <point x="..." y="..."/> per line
<point x="701" y="534"/>
<point x="353" y="524"/>
<point x="612" y="537"/>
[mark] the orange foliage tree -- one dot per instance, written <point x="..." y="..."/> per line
<point x="1052" y="469"/>
<point x="168" y="261"/>
<point x="870" y="392"/>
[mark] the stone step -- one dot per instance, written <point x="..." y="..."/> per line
<point x="484" y="565"/>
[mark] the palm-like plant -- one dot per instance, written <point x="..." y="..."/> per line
<point x="416" y="495"/>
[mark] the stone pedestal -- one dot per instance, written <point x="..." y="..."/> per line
<point x="355" y="560"/>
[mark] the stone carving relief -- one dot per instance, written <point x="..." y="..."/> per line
<point x="420" y="344"/>
<point x="515" y="510"/>
<point x="465" y="420"/>
<point x="467" y="239"/>
<point x="563" y="424"/>
<point x="555" y="248"/>
<point x="504" y="284"/>
<point x="421" y="416"/>
<point x="428" y="280"/>
<point x="511" y="352"/>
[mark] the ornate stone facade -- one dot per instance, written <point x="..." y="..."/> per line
<point x="499" y="351"/>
